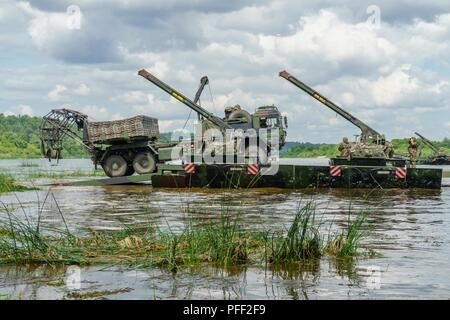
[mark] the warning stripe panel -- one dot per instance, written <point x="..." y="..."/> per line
<point x="400" y="173"/>
<point x="252" y="169"/>
<point x="335" y="171"/>
<point x="189" y="168"/>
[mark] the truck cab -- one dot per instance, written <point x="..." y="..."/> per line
<point x="270" y="118"/>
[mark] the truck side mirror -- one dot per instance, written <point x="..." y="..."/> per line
<point x="285" y="122"/>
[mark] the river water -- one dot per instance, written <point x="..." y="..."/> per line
<point x="408" y="230"/>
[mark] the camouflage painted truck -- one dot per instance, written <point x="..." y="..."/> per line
<point x="438" y="158"/>
<point x="265" y="118"/>
<point x="120" y="147"/>
<point x="125" y="147"/>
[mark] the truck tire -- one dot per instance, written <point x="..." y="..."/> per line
<point x="144" y="163"/>
<point x="115" y="166"/>
<point x="130" y="171"/>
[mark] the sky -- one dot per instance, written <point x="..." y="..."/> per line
<point x="385" y="62"/>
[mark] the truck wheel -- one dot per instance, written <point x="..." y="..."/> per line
<point x="144" y="163"/>
<point x="130" y="171"/>
<point x="115" y="166"/>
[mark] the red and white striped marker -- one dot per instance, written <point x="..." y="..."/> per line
<point x="189" y="167"/>
<point x="400" y="173"/>
<point x="252" y="169"/>
<point x="335" y="171"/>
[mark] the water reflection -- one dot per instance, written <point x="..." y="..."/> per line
<point x="297" y="281"/>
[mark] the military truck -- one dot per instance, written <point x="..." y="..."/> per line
<point x="439" y="157"/>
<point x="266" y="118"/>
<point x="123" y="147"/>
<point x="120" y="147"/>
<point x="371" y="149"/>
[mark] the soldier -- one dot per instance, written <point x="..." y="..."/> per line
<point x="441" y="152"/>
<point x="344" y="148"/>
<point x="388" y="149"/>
<point x="412" y="151"/>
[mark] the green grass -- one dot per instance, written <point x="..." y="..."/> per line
<point x="301" y="241"/>
<point x="222" y="243"/>
<point x="59" y="175"/>
<point x="347" y="242"/>
<point x="9" y="184"/>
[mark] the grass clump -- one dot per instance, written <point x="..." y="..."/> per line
<point x="22" y="241"/>
<point x="8" y="184"/>
<point x="301" y="241"/>
<point x="60" y="175"/>
<point x="222" y="243"/>
<point x="347" y="242"/>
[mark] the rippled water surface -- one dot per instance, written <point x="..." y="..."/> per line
<point x="409" y="231"/>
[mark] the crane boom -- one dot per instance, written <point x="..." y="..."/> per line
<point x="203" y="82"/>
<point x="365" y="129"/>
<point x="186" y="101"/>
<point x="428" y="142"/>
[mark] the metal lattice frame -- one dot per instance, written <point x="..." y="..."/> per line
<point x="58" y="124"/>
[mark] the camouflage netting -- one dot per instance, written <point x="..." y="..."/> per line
<point x="364" y="150"/>
<point x="136" y="128"/>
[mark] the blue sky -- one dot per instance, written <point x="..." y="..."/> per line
<point x="393" y="75"/>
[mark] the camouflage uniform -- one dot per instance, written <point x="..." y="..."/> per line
<point x="412" y="151"/>
<point x="388" y="149"/>
<point x="344" y="148"/>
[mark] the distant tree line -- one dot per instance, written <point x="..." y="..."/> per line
<point x="308" y="150"/>
<point x="19" y="138"/>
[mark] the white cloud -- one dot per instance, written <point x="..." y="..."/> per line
<point x="21" y="109"/>
<point x="57" y="94"/>
<point x="398" y="70"/>
<point x="327" y="38"/>
<point x="50" y="33"/>
<point x="99" y="113"/>
<point x="134" y="97"/>
<point x="389" y="90"/>
<point x="62" y="93"/>
<point x="82" y="90"/>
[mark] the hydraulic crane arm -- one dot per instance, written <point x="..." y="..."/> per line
<point x="428" y="142"/>
<point x="189" y="103"/>
<point x="203" y="82"/>
<point x="365" y="129"/>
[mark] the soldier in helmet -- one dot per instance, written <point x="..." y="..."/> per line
<point x="441" y="152"/>
<point x="388" y="148"/>
<point x="344" y="148"/>
<point x="412" y="151"/>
